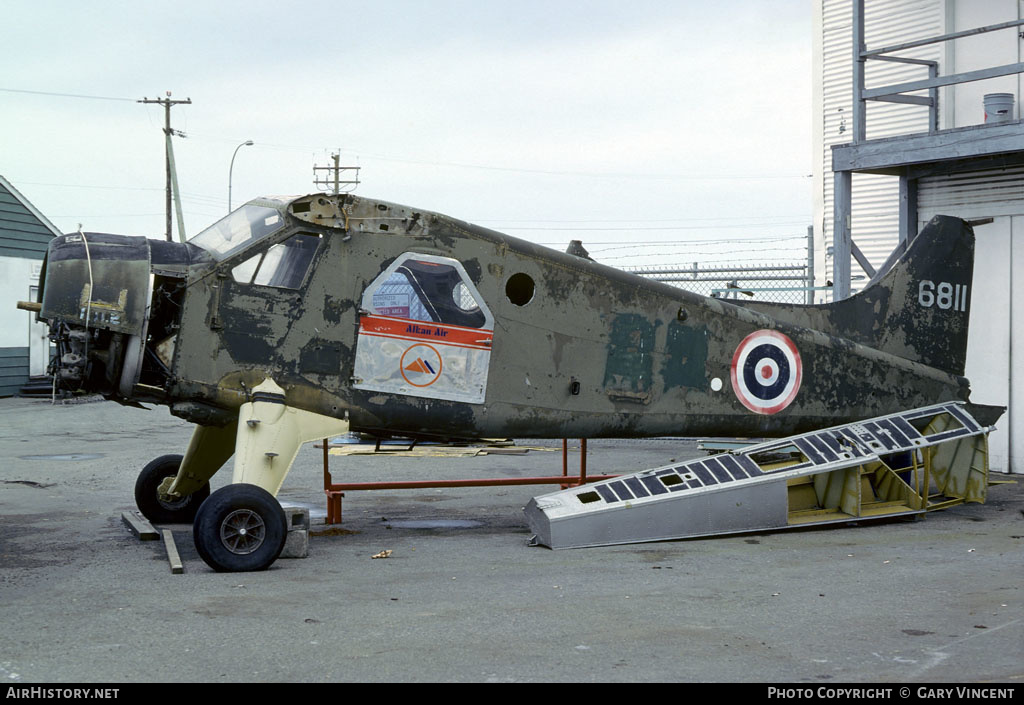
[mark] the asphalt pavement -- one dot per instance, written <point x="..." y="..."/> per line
<point x="462" y="597"/>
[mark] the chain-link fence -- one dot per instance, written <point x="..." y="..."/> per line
<point x="779" y="283"/>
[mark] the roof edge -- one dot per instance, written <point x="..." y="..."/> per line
<point x="31" y="208"/>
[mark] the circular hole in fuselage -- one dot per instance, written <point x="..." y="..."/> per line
<point x="520" y="289"/>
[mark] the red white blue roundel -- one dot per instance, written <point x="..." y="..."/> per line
<point x="766" y="372"/>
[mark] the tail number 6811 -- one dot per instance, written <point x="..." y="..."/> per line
<point x="944" y="295"/>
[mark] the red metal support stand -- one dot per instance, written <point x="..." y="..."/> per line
<point x="335" y="491"/>
<point x="333" y="496"/>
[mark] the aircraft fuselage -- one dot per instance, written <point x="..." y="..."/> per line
<point x="413" y="323"/>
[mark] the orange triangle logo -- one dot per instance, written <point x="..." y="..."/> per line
<point x="417" y="366"/>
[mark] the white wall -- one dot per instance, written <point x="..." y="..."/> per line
<point x="991" y="335"/>
<point x="996" y="329"/>
<point x="963" y="104"/>
<point x="17" y="276"/>
<point x="1016" y="357"/>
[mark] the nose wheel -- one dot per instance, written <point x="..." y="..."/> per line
<point x="240" y="528"/>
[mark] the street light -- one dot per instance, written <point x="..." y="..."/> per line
<point x="247" y="143"/>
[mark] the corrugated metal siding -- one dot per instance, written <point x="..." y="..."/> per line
<point x="21" y="232"/>
<point x="875" y="198"/>
<point x="993" y="192"/>
<point x="13" y="370"/>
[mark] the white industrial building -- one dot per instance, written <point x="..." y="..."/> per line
<point x="24" y="236"/>
<point x="918" y="143"/>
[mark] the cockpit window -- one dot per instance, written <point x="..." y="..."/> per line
<point x="239" y="229"/>
<point x="284" y="265"/>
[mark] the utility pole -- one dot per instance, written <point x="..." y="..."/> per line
<point x="335" y="183"/>
<point x="169" y="157"/>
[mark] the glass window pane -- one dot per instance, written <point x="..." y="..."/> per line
<point x="238" y="229"/>
<point x="464" y="299"/>
<point x="243" y="272"/>
<point x="397" y="298"/>
<point x="285" y="264"/>
<point x="423" y="290"/>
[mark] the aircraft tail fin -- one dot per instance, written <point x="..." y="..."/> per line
<point x="920" y="308"/>
<point x="917" y="308"/>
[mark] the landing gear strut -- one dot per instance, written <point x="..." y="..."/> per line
<point x="162" y="508"/>
<point x="240" y="527"/>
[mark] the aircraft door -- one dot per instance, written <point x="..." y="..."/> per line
<point x="424" y="331"/>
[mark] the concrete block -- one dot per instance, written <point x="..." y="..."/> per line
<point x="297" y="543"/>
<point x="298" y="518"/>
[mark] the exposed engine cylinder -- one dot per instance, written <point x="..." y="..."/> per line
<point x="70" y="364"/>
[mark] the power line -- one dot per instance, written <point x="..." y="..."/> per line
<point x="672" y="227"/>
<point x="592" y="174"/>
<point x="690" y="243"/>
<point x="523" y="170"/>
<point x="799" y="218"/>
<point x="103" y="215"/>
<point x="791" y="220"/>
<point x="468" y="165"/>
<point x="794" y="262"/>
<point x="65" y="95"/>
<point x="695" y="254"/>
<point x="659" y="243"/>
<point x="110" y="188"/>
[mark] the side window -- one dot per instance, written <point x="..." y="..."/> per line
<point x="427" y="288"/>
<point x="283" y="266"/>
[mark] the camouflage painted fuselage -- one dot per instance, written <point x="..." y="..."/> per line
<point x="547" y="344"/>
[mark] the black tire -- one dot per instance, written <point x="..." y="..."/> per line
<point x="240" y="528"/>
<point x="161" y="511"/>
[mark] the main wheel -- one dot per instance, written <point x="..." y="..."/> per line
<point x="240" y="528"/>
<point x="161" y="508"/>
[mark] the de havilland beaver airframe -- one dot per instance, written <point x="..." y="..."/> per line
<point x="294" y="319"/>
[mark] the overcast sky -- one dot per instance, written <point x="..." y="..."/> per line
<point x="648" y="127"/>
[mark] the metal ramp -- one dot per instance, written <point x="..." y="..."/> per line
<point x="897" y="465"/>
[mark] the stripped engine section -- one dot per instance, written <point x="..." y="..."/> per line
<point x="104" y="295"/>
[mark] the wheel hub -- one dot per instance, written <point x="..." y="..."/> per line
<point x="242" y="531"/>
<point x="170" y="501"/>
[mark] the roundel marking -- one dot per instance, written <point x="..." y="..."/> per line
<point x="421" y="365"/>
<point x="766" y="372"/>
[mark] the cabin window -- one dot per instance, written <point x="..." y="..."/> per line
<point x="429" y="289"/>
<point x="283" y="266"/>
